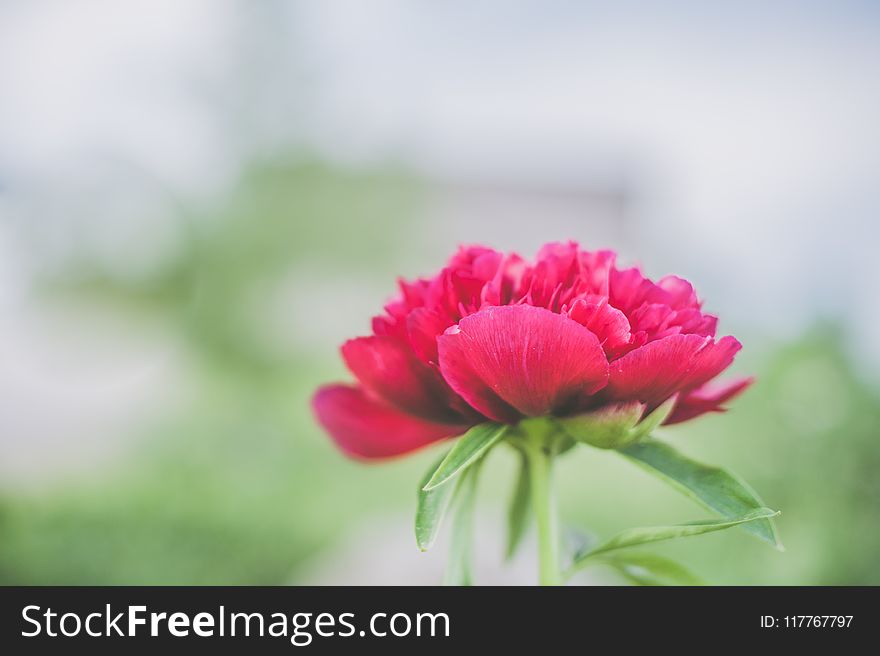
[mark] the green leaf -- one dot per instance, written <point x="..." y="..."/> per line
<point x="458" y="568"/>
<point x="633" y="537"/>
<point x="431" y="509"/>
<point x="649" y="569"/>
<point x="470" y="447"/>
<point x="575" y="541"/>
<point x="647" y="425"/>
<point x="519" y="512"/>
<point x="713" y="487"/>
<point x="637" y="536"/>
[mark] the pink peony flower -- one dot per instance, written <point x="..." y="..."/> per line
<point x="493" y="337"/>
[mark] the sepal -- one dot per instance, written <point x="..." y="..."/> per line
<point x="617" y="425"/>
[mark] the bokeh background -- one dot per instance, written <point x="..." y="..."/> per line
<point x="199" y="201"/>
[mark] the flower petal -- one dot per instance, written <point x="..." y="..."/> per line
<point x="707" y="398"/>
<point x="521" y="360"/>
<point x="595" y="270"/>
<point x="629" y="289"/>
<point x="423" y="327"/>
<point x="681" y="292"/>
<point x="388" y="368"/>
<point x="609" y="324"/>
<point x="367" y="428"/>
<point x="506" y="286"/>
<point x="659" y="369"/>
<point x="711" y="361"/>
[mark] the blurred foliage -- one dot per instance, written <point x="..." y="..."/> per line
<point x="283" y="211"/>
<point x="239" y="486"/>
<point x="237" y="490"/>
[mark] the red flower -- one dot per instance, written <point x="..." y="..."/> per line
<point x="493" y="337"/>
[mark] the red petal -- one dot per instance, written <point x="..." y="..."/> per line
<point x="707" y="398"/>
<point x="711" y="361"/>
<point x="659" y="369"/>
<point x="481" y="260"/>
<point x="423" y="327"/>
<point x="521" y="360"/>
<point x="692" y="321"/>
<point x="366" y="428"/>
<point x="506" y="286"/>
<point x="388" y="368"/>
<point x="681" y="292"/>
<point x="609" y="324"/>
<point x="628" y="289"/>
<point x="655" y="319"/>
<point x="596" y="268"/>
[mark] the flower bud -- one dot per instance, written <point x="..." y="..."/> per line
<point x="615" y="426"/>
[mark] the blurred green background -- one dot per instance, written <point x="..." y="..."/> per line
<point x="169" y="309"/>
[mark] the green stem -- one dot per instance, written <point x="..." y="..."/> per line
<point x="544" y="506"/>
